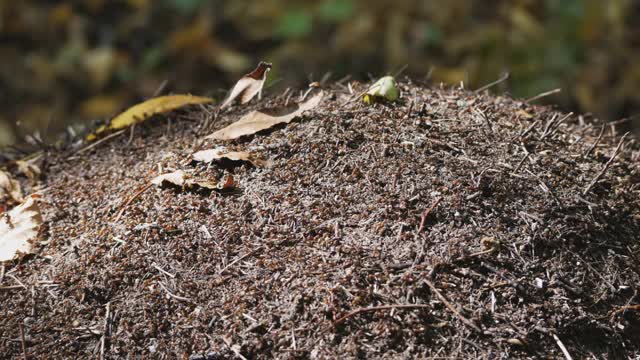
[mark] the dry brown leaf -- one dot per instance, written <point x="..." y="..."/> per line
<point x="220" y="153"/>
<point x="182" y="179"/>
<point x="256" y="121"/>
<point x="18" y="229"/>
<point x="10" y="188"/>
<point x="29" y="170"/>
<point x="177" y="178"/>
<point x="249" y="85"/>
<point x="144" y="110"/>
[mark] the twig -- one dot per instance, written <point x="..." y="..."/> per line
<point x="562" y="347"/>
<point x="237" y="260"/>
<point x="23" y="342"/>
<point x="105" y="331"/>
<point x="546" y="188"/>
<point x="482" y="116"/>
<point x="354" y="97"/>
<point x="401" y="70"/>
<point x="160" y="88"/>
<point x="521" y="163"/>
<point x="426" y="213"/>
<point x="135" y="196"/>
<point x="513" y="283"/>
<point x="343" y="318"/>
<point x="108" y="137"/>
<point x="606" y="166"/>
<point x="233" y="348"/>
<point x="164" y="272"/>
<point x="18" y="281"/>
<point x="451" y="307"/>
<point x="132" y="131"/>
<point x="527" y="131"/>
<point x="555" y="125"/>
<point x="544" y="94"/>
<point x="172" y="294"/>
<point x="504" y="77"/>
<point x="592" y="147"/>
<point x="408" y="114"/>
<point x="622" y="309"/>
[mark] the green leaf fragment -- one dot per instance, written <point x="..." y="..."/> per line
<point x="385" y="88"/>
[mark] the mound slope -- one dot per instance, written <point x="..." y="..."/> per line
<point x="447" y="224"/>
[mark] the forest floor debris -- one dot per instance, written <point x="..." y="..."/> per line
<point x="511" y="258"/>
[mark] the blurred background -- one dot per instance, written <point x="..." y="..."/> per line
<point x="74" y="62"/>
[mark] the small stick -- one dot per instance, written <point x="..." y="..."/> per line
<point x="237" y="260"/>
<point x="503" y="277"/>
<point x="343" y="80"/>
<point x="164" y="272"/>
<point x="622" y="309"/>
<point x="378" y="308"/>
<point x="104" y="331"/>
<point x="426" y="213"/>
<point x="521" y="163"/>
<point x="235" y="351"/>
<point x="555" y="126"/>
<point x="528" y="130"/>
<point x="451" y="307"/>
<point x="482" y="115"/>
<point x="135" y="196"/>
<point x="18" y="281"/>
<point x="504" y="77"/>
<point x="160" y="88"/>
<point x="408" y="114"/>
<point x="132" y="131"/>
<point x="544" y="94"/>
<point x="592" y="147"/>
<point x="562" y="347"/>
<point x="548" y="126"/>
<point x="91" y="146"/>
<point x="172" y="294"/>
<point x="401" y="70"/>
<point x="23" y="342"/>
<point x="606" y="166"/>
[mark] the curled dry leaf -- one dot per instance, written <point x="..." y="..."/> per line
<point x="10" y="188"/>
<point x="383" y="89"/>
<point x="29" y="169"/>
<point x="211" y="155"/>
<point x="249" y="85"/>
<point x="182" y="179"/>
<point x="18" y="229"/>
<point x="256" y="121"/>
<point x="177" y="178"/>
<point x="144" y="110"/>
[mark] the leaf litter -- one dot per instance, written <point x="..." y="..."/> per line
<point x="142" y="111"/>
<point x="19" y="229"/>
<point x="184" y="180"/>
<point x="220" y="153"/>
<point x="248" y="86"/>
<point x="10" y="189"/>
<point x="320" y="255"/>
<point x="259" y="120"/>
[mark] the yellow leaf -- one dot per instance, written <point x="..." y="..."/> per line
<point x="139" y="113"/>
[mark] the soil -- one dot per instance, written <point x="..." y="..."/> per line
<point x="450" y="224"/>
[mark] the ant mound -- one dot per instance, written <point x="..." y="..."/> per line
<point x="448" y="224"/>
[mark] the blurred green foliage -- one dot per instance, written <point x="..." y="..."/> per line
<point x="74" y="61"/>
